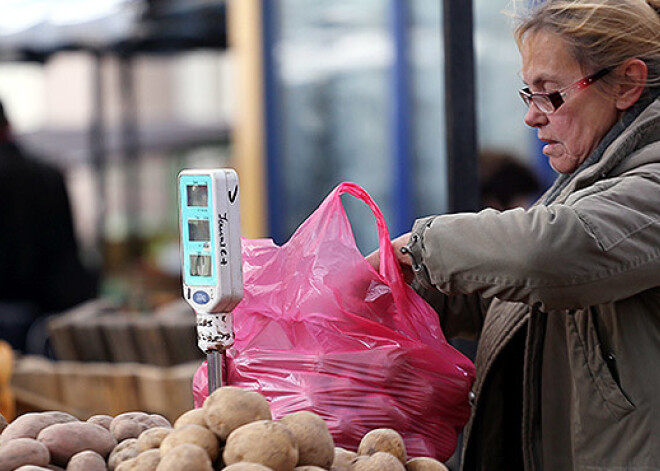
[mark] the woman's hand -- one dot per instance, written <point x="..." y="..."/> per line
<point x="405" y="261"/>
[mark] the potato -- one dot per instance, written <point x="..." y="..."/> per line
<point x="246" y="466"/>
<point x="357" y="459"/>
<point x="29" y="425"/>
<point x="195" y="434"/>
<point x="31" y="467"/>
<point x="128" y="465"/>
<point x="152" y="438"/>
<point x="157" y="420"/>
<point x="383" y="439"/>
<point x="132" y="424"/>
<point x="342" y="459"/>
<point x="229" y="407"/>
<point x="187" y="457"/>
<point x="264" y="441"/>
<point x="22" y="451"/>
<point x="86" y="461"/>
<point x="65" y="440"/>
<point x="379" y="461"/>
<point x="315" y="444"/>
<point x="308" y="468"/>
<point x="145" y="461"/>
<point x="125" y="429"/>
<point x="193" y="416"/>
<point x="122" y="452"/>
<point x="102" y="420"/>
<point x="425" y="464"/>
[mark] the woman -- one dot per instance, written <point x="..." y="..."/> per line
<point x="565" y="296"/>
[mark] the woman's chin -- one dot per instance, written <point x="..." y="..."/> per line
<point x="563" y="163"/>
<point x="562" y="166"/>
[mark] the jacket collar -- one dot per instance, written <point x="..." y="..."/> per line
<point x="645" y="132"/>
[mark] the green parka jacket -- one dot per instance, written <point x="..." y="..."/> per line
<point x="592" y="255"/>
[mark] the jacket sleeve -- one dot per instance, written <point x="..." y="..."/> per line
<point x="602" y="245"/>
<point x="460" y="316"/>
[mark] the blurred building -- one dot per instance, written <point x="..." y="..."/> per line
<point x="123" y="116"/>
<point x="121" y="95"/>
<point x="333" y="68"/>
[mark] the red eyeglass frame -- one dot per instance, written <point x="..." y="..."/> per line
<point x="556" y="99"/>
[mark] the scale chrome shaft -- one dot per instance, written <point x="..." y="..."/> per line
<point x="215" y="364"/>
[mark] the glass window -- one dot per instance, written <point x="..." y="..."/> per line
<point x="334" y="65"/>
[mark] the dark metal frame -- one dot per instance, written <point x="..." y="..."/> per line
<point x="460" y="109"/>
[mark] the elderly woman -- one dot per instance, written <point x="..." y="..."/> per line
<point x="565" y="296"/>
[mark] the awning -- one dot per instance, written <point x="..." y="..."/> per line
<point x="33" y="30"/>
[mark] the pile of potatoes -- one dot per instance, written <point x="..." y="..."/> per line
<point x="233" y="431"/>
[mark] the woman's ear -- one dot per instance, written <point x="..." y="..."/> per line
<point x="634" y="73"/>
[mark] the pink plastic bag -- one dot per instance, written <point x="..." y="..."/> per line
<point x="318" y="329"/>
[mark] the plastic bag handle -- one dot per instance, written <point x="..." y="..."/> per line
<point x="389" y="266"/>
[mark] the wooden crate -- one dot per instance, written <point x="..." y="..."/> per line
<point x="166" y="391"/>
<point x="98" y="331"/>
<point x="85" y="389"/>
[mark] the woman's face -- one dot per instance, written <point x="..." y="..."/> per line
<point x="574" y="130"/>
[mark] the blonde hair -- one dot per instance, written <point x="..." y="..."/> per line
<point x="600" y="33"/>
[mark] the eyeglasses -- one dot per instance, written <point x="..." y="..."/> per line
<point x="549" y="102"/>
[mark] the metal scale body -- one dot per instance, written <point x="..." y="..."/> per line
<point x="211" y="260"/>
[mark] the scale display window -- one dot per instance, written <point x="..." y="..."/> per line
<point x="200" y="265"/>
<point x="199" y="230"/>
<point x="196" y="193"/>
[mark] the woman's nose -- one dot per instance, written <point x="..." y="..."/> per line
<point x="535" y="117"/>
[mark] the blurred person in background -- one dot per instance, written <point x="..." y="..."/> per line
<point x="505" y="182"/>
<point x="40" y="269"/>
<point x="564" y="297"/>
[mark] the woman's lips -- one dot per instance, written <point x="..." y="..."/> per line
<point x="549" y="146"/>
